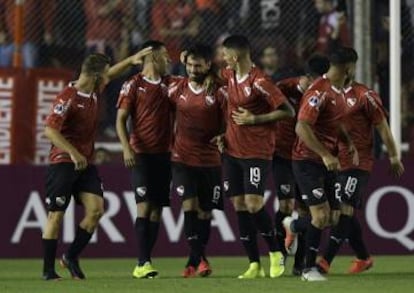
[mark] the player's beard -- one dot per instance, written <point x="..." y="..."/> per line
<point x="198" y="78"/>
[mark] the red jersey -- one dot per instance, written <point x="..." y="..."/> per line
<point x="323" y="107"/>
<point x="365" y="110"/>
<point x="199" y="118"/>
<point x="256" y="93"/>
<point x="75" y="115"/>
<point x="285" y="129"/>
<point x="150" y="112"/>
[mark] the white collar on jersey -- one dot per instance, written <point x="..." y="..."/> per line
<point x="196" y="91"/>
<point x="335" y="89"/>
<point x="79" y="93"/>
<point x="347" y="89"/>
<point x="151" y="81"/>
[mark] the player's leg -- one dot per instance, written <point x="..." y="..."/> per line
<point x="255" y="177"/>
<point x="303" y="217"/>
<point x="94" y="208"/>
<point x="185" y="180"/>
<point x="348" y="188"/>
<point x="159" y="178"/>
<point x="311" y="178"/>
<point x="140" y="177"/>
<point x="59" y="181"/>
<point x="234" y="189"/>
<point x="210" y="197"/>
<point x="285" y="189"/>
<point x="363" y="261"/>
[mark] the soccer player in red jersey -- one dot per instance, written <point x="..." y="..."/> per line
<point x="71" y="127"/>
<point x="196" y="161"/>
<point x="144" y="98"/>
<point x="365" y="113"/>
<point x="253" y="103"/>
<point x="314" y="157"/>
<point x="283" y="178"/>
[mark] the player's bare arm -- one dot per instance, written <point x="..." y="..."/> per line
<point x="242" y="116"/>
<point x="59" y="141"/>
<point x="306" y="134"/>
<point x="397" y="167"/>
<point x="120" y="68"/>
<point x="121" y="130"/>
<point x="352" y="150"/>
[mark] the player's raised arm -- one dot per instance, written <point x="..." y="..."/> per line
<point x="120" y="67"/>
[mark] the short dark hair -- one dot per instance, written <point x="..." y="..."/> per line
<point x="95" y="64"/>
<point x="154" y="44"/>
<point x="237" y="42"/>
<point x="200" y="50"/>
<point x="343" y="55"/>
<point x="317" y="65"/>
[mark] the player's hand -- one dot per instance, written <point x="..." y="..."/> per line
<point x="397" y="167"/>
<point x="129" y="158"/>
<point x="242" y="116"/>
<point x="79" y="160"/>
<point x="352" y="151"/>
<point x="331" y="163"/>
<point x="219" y="141"/>
<point x="183" y="56"/>
<point x="138" y="58"/>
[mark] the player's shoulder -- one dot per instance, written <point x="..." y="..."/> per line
<point x="289" y="82"/>
<point x="178" y="85"/>
<point x="68" y="93"/>
<point x="320" y="84"/>
<point x="170" y="80"/>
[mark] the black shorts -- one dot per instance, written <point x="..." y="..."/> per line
<point x="151" y="178"/>
<point x="350" y="185"/>
<point x="62" y="181"/>
<point x="316" y="184"/>
<point x="245" y="176"/>
<point x="201" y="182"/>
<point x="284" y="179"/>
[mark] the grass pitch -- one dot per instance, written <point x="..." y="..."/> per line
<point x="389" y="274"/>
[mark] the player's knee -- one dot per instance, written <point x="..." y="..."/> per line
<point x="55" y="218"/>
<point x="155" y="215"/>
<point x="238" y="203"/>
<point x="253" y="207"/>
<point x="286" y="206"/>
<point x="95" y="214"/>
<point x="321" y="219"/>
<point x="204" y="215"/>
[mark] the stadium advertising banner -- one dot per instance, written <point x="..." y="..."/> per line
<point x="387" y="217"/>
<point x="25" y="99"/>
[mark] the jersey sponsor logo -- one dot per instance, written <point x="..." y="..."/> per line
<point x="60" y="201"/>
<point x="180" y="190"/>
<point x="314" y="101"/>
<point x="226" y="185"/>
<point x="247" y="91"/>
<point x="285" y="188"/>
<point x="210" y="100"/>
<point x="126" y="87"/>
<point x="371" y="99"/>
<point x="141" y="191"/>
<point x="318" y="192"/>
<point x="351" y="102"/>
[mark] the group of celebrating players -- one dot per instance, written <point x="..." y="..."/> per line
<point x="220" y="132"/>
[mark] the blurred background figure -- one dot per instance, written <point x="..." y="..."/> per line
<point x="333" y="29"/>
<point x="38" y="18"/>
<point x="102" y="156"/>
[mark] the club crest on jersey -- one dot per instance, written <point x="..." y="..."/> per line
<point x="314" y="101"/>
<point x="247" y="91"/>
<point x="351" y="102"/>
<point x="210" y="100"/>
